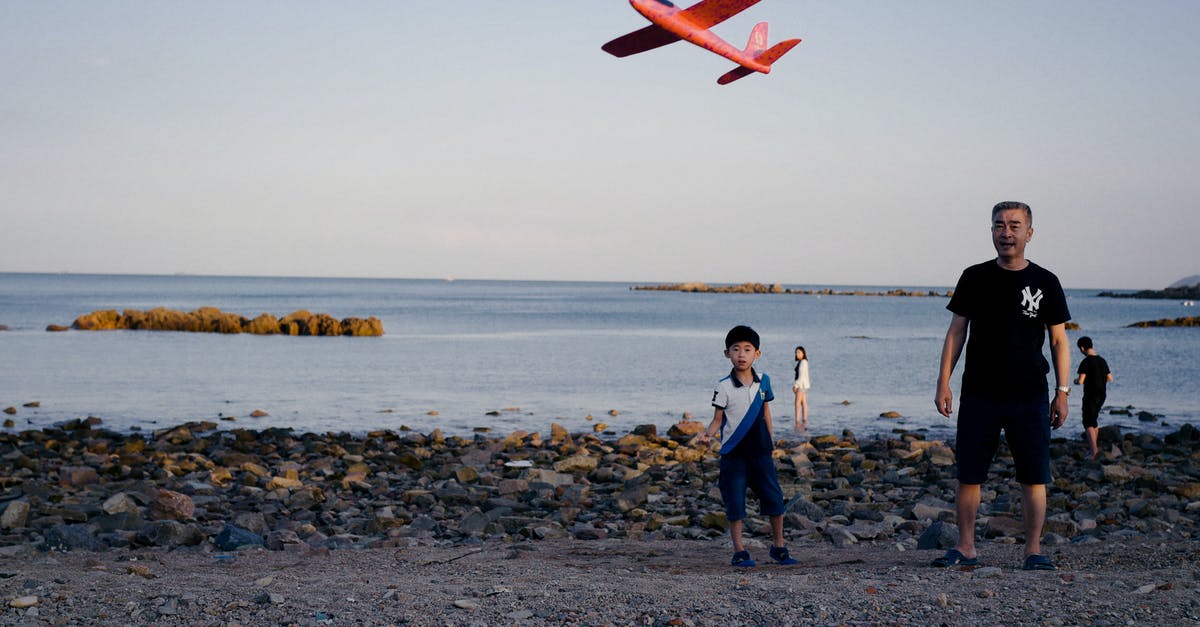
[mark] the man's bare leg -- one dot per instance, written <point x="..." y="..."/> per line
<point x="1033" y="515"/>
<point x="966" y="504"/>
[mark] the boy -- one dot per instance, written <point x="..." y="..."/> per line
<point x="740" y="402"/>
<point x="1094" y="376"/>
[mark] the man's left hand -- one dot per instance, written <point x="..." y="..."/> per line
<point x="1058" y="410"/>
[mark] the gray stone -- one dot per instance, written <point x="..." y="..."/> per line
<point x="841" y="536"/>
<point x="171" y="533"/>
<point x="15" y="515"/>
<point x="69" y="538"/>
<point x="939" y="535"/>
<point x="232" y="537"/>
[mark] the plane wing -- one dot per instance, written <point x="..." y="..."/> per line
<point x="649" y="38"/>
<point x="709" y="13"/>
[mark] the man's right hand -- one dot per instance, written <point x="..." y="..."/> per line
<point x="944" y="400"/>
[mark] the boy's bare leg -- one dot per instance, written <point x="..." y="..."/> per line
<point x="1033" y="514"/>
<point x="1093" y="437"/>
<point x="777" y="530"/>
<point x="735" y="534"/>
<point x="966" y="505"/>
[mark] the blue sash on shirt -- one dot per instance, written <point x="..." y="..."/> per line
<point x="746" y="422"/>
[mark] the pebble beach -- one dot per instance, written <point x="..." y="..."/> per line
<point x="194" y="525"/>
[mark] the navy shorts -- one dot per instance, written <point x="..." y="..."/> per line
<point x="757" y="473"/>
<point x="1091" y="410"/>
<point x="1026" y="426"/>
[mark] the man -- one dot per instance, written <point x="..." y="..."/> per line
<point x="1007" y="305"/>
<point x="1094" y="376"/>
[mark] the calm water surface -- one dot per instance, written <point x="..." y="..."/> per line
<point x="537" y="352"/>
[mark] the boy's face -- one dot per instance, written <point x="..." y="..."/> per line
<point x="742" y="355"/>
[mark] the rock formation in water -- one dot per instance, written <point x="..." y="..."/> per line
<point x="213" y="320"/>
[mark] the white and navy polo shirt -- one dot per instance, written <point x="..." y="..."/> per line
<point x="743" y="405"/>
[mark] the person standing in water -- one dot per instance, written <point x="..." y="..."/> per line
<point x="1094" y="376"/>
<point x="800" y="388"/>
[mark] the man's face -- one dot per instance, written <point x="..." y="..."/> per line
<point x="1011" y="231"/>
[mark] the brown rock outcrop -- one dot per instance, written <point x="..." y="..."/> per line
<point x="213" y="320"/>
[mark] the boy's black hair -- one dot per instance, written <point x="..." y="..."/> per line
<point x="1084" y="342"/>
<point x="741" y="333"/>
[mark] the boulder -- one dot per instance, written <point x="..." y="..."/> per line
<point x="171" y="505"/>
<point x="939" y="535"/>
<point x="103" y="320"/>
<point x="70" y="538"/>
<point x="233" y="537"/>
<point x="171" y="533"/>
<point x="15" y="515"/>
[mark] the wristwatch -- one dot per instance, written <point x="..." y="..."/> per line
<point x="1064" y="389"/>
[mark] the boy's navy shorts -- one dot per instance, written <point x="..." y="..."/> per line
<point x="757" y="473"/>
<point x="1026" y="425"/>
<point x="1091" y="410"/>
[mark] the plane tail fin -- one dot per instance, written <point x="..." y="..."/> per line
<point x="765" y="57"/>
<point x="758" y="40"/>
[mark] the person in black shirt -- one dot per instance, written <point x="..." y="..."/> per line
<point x="1094" y="376"/>
<point x="1008" y="305"/>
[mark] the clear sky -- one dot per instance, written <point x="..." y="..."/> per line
<point x="496" y="140"/>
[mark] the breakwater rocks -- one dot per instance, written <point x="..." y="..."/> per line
<point x="776" y="288"/>
<point x="81" y="487"/>
<point x="213" y="320"/>
<point x="1189" y="321"/>
<point x="1189" y="292"/>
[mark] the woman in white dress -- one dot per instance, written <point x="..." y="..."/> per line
<point x="800" y="388"/>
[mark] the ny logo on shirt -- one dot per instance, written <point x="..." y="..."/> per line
<point x="1031" y="302"/>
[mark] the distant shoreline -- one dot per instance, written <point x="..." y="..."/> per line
<point x="776" y="288"/>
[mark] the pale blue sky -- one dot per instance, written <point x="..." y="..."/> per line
<point x="496" y="140"/>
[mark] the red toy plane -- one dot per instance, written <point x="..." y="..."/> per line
<point x="670" y="24"/>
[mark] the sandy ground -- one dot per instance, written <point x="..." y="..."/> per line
<point x="614" y="581"/>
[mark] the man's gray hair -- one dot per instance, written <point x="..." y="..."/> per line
<point x="1012" y="204"/>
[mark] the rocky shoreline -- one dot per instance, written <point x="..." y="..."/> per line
<point x="199" y="493"/>
<point x="1185" y="292"/>
<point x="80" y="486"/>
<point x="1185" y="321"/>
<point x="776" y="288"/>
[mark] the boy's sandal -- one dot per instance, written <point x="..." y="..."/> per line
<point x="954" y="557"/>
<point x="1038" y="562"/>
<point x="782" y="557"/>
<point x="742" y="559"/>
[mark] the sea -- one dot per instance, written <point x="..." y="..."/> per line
<point x="469" y="356"/>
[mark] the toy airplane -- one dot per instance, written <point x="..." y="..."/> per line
<point x="670" y="24"/>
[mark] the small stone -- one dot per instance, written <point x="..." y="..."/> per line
<point x="1146" y="589"/>
<point x="23" y="602"/>
<point x="10" y="410"/>
<point x="987" y="572"/>
<point x="465" y="604"/>
<point x="943" y="600"/>
<point x="258" y="413"/>
<point x="985" y="594"/>
<point x="141" y="571"/>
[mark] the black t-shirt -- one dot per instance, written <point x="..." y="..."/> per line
<point x="1008" y="313"/>
<point x="1096" y="381"/>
